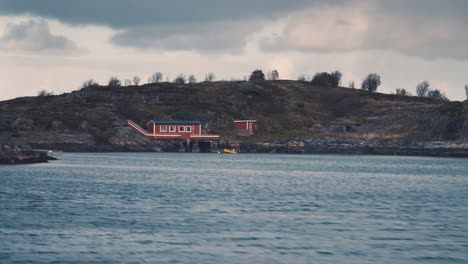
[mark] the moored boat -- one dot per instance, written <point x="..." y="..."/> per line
<point x="229" y="151"/>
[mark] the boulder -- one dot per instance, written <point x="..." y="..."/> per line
<point x="15" y="151"/>
<point x="23" y="124"/>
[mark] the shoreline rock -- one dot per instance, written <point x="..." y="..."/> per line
<point x="15" y="151"/>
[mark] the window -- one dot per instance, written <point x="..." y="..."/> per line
<point x="171" y="128"/>
<point x="188" y="129"/>
<point x="163" y="128"/>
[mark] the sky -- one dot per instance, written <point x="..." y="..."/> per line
<point x="56" y="45"/>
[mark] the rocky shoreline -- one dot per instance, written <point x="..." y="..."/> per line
<point x="293" y="117"/>
<point x="433" y="149"/>
<point x="309" y="146"/>
<point x="15" y="151"/>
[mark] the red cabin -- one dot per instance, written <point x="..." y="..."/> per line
<point x="177" y="129"/>
<point x="248" y="126"/>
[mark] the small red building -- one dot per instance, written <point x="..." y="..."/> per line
<point x="249" y="126"/>
<point x="177" y="129"/>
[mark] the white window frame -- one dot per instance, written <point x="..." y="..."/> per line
<point x="188" y="129"/>
<point x="172" y="128"/>
<point x="181" y="128"/>
<point x="163" y="128"/>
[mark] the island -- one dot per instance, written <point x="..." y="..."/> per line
<point x="290" y="117"/>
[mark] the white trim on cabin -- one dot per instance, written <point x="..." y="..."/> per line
<point x="172" y="128"/>
<point x="161" y="128"/>
<point x="204" y="136"/>
<point x="168" y="135"/>
<point x="244" y="121"/>
<point x="181" y="129"/>
<point x="188" y="129"/>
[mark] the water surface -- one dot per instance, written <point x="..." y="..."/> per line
<point x="212" y="208"/>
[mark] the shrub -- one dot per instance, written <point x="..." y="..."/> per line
<point x="321" y="78"/>
<point x="402" y="92"/>
<point x="436" y="93"/>
<point x="192" y="79"/>
<point x="114" y="82"/>
<point x="44" y="93"/>
<point x="371" y="82"/>
<point x="180" y="79"/>
<point x="256" y="76"/>
<point x="302" y="78"/>
<point x="327" y="79"/>
<point x="89" y="83"/>
<point x="155" y="78"/>
<point x="335" y="78"/>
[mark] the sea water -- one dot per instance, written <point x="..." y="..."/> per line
<point x="219" y="208"/>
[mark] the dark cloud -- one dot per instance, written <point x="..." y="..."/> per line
<point x="127" y="14"/>
<point x="214" y="37"/>
<point x="35" y="35"/>
<point x="423" y="28"/>
<point x="176" y="24"/>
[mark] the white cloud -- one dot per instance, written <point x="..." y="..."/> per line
<point x="34" y="35"/>
<point x="26" y="72"/>
<point x="364" y="25"/>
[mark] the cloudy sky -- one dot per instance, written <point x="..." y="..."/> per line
<point x="56" y="45"/>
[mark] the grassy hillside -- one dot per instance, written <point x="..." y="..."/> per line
<point x="284" y="110"/>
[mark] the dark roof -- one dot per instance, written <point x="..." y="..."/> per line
<point x="176" y="122"/>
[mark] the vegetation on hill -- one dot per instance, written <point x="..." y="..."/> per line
<point x="93" y="118"/>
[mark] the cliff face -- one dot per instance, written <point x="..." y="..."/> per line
<point x="93" y="119"/>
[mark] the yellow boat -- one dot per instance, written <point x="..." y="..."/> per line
<point x="229" y="151"/>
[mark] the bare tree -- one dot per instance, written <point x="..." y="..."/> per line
<point x="210" y="77"/>
<point x="136" y="80"/>
<point x="371" y="82"/>
<point x="89" y="83"/>
<point x="114" y="82"/>
<point x="351" y="85"/>
<point x="192" y="79"/>
<point x="402" y="92"/>
<point x="155" y="78"/>
<point x="44" y="93"/>
<point x="181" y="78"/>
<point x="466" y="91"/>
<point x="127" y="82"/>
<point x="422" y="89"/>
<point x="273" y="75"/>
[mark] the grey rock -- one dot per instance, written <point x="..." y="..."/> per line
<point x="23" y="124"/>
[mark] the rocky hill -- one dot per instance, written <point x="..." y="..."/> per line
<point x="292" y="117"/>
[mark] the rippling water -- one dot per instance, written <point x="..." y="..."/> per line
<point x="210" y="208"/>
